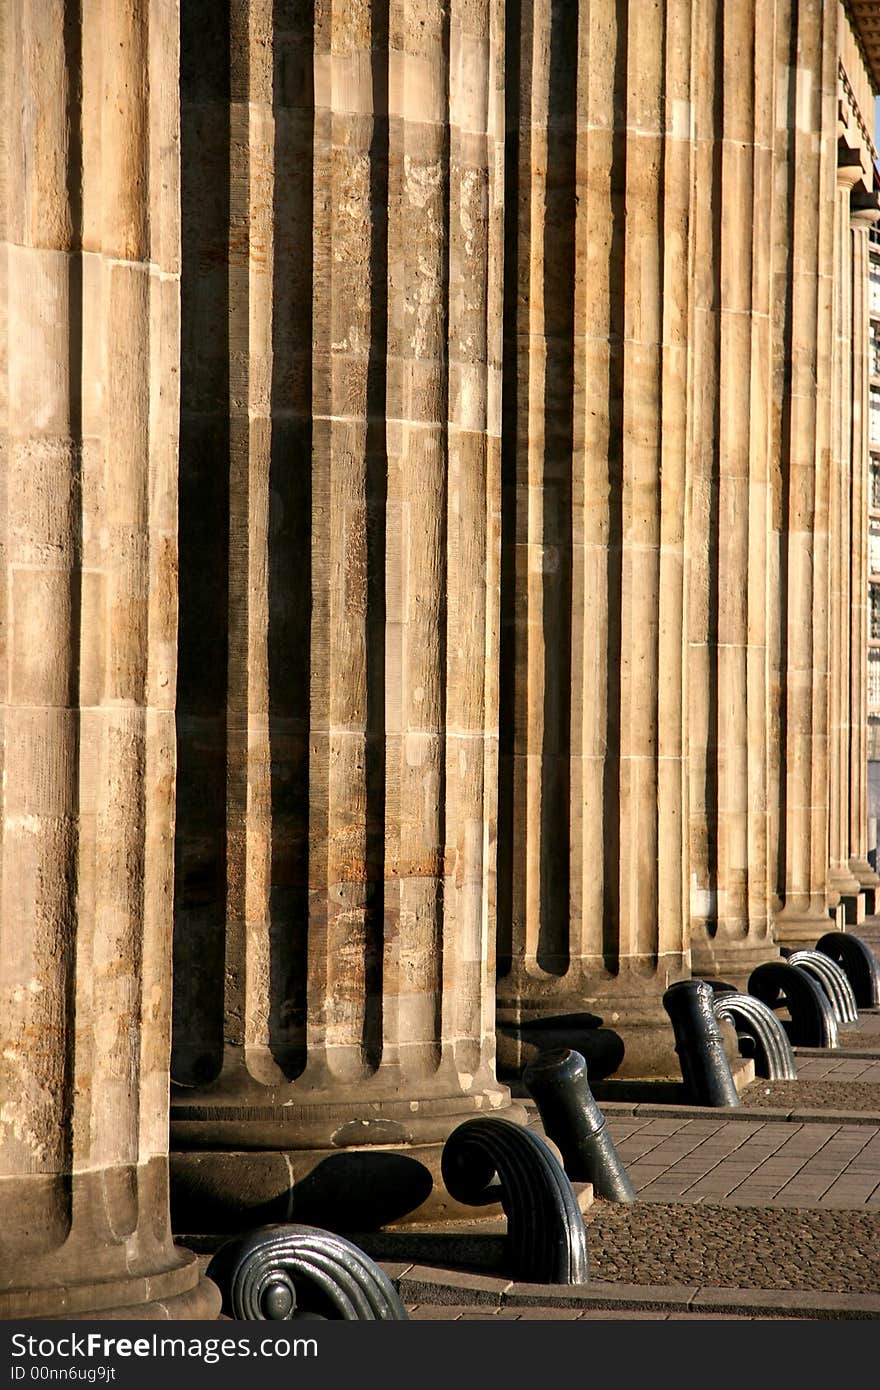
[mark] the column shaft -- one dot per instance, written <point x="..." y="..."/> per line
<point x="350" y="746"/>
<point x="592" y="859"/>
<point x="857" y="809"/>
<point x="730" y="493"/>
<point x="90" y="306"/>
<point x="805" y="486"/>
<point x="841" y="878"/>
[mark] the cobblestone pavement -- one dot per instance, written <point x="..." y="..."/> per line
<point x="731" y="1247"/>
<point x="432" y="1312"/>
<point x="751" y="1162"/>
<point x="833" y="1095"/>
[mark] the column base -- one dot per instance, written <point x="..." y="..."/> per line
<point x="854" y="909"/>
<point x="716" y="958"/>
<point x="368" y="1189"/>
<point x="804" y="929"/>
<point x="152" y="1300"/>
<point x="347" y="1158"/>
<point x="635" y="1042"/>
<point x="97" y="1245"/>
<point x="869" y="881"/>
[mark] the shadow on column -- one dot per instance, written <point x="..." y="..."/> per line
<point x="203" y="524"/>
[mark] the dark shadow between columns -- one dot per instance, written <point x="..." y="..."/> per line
<point x="203" y="528"/>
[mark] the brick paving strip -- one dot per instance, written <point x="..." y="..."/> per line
<point x="431" y="1293"/>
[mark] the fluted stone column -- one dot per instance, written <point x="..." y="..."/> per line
<point x="90" y="243"/>
<point x="864" y="213"/>
<point x="802" y="858"/>
<point x="841" y="878"/>
<point x="592" y="837"/>
<point x="336" y="903"/>
<point x="730" y="489"/>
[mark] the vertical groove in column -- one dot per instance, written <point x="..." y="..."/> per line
<point x="342" y="1025"/>
<point x="542" y="46"/>
<point x="418" y="460"/>
<point x="161" y="667"/>
<point x="114" y="733"/>
<point x="295" y="817"/>
<point x="203" y="518"/>
<point x="670" y="944"/>
<point x="241" y="600"/>
<point x="599" y="291"/>
<point x="261" y="928"/>
<point x="475" y="254"/>
<point x="729" y="909"/>
<point x="781" y="325"/>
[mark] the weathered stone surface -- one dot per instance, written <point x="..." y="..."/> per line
<point x="87" y="667"/>
<point x="336" y="823"/>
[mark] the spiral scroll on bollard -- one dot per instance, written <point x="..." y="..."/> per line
<point x="832" y="979"/>
<point x="284" y="1273"/>
<point x="546" y="1240"/>
<point x="858" y="963"/>
<point x="812" y="1018"/>
<point x="773" y="1057"/>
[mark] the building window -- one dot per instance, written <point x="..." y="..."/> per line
<point x="874" y="680"/>
<point x="874" y="355"/>
<point x="874" y="495"/>
<point x="874" y="276"/>
<point x="875" y="416"/>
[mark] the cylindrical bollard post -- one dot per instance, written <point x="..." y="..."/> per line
<point x="704" y="1066"/>
<point x="557" y="1081"/>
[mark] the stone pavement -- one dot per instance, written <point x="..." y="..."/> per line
<point x="751" y="1162"/>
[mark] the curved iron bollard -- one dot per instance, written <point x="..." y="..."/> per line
<point x="704" y="1066"/>
<point x="546" y="1239"/>
<point x="558" y="1083"/>
<point x="832" y="979"/>
<point x="812" y="1018"/>
<point x="773" y="1057"/>
<point x="262" y="1273"/>
<point x="858" y="963"/>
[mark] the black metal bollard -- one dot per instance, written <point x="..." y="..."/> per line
<point x="858" y="963"/>
<point x="557" y="1081"/>
<point x="757" y="1021"/>
<point x="812" y="1022"/>
<point x="546" y="1238"/>
<point x="287" y="1273"/>
<point x="704" y="1066"/>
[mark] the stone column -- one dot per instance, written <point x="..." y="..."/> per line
<point x="335" y="909"/>
<point x="842" y="881"/>
<point x="864" y="213"/>
<point x="592" y="841"/>
<point x="730" y="490"/>
<point x="805" y="483"/>
<point x="90" y="244"/>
